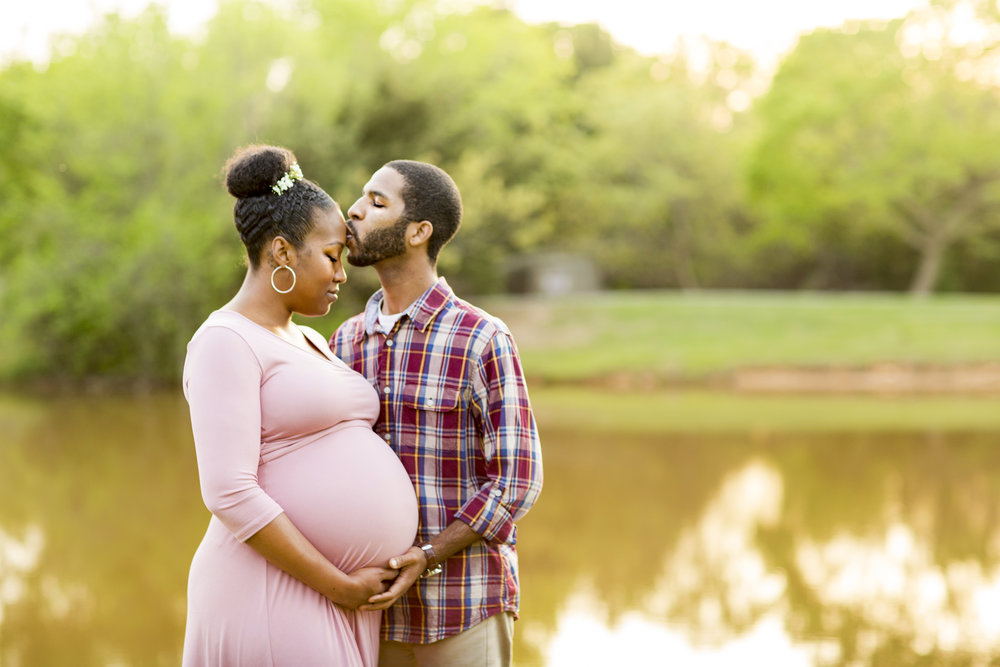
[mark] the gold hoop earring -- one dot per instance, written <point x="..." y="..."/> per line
<point x="290" y="270"/>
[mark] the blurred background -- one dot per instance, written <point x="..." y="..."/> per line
<point x="750" y="253"/>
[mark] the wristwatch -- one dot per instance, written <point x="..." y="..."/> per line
<point x="432" y="567"/>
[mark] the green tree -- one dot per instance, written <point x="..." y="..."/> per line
<point x="862" y="142"/>
<point x="124" y="239"/>
<point x="659" y="185"/>
<point x="486" y="97"/>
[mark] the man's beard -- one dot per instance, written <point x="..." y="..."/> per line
<point x="380" y="244"/>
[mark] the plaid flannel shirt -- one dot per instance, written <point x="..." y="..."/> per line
<point x="455" y="409"/>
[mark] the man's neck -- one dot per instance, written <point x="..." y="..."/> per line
<point x="402" y="284"/>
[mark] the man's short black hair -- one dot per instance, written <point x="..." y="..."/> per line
<point x="430" y="194"/>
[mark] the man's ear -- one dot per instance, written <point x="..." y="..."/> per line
<point x="281" y="250"/>
<point x="419" y="233"/>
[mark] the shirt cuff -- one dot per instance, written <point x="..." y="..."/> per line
<point x="486" y="514"/>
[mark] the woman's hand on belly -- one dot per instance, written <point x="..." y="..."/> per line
<point x="364" y="583"/>
<point x="284" y="546"/>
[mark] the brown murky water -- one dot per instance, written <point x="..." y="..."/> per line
<point x="850" y="549"/>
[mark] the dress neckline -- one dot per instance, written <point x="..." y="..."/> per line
<point x="327" y="354"/>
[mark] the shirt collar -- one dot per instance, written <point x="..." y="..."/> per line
<point x="422" y="311"/>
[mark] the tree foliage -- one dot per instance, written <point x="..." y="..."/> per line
<point x="862" y="143"/>
<point x="863" y="166"/>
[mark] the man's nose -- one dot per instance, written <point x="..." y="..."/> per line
<point x="355" y="212"/>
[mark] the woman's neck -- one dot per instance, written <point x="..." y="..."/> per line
<point x="257" y="301"/>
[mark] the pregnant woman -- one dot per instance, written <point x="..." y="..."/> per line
<point x="307" y="502"/>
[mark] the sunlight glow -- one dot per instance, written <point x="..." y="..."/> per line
<point x="28" y="28"/>
<point x="768" y="28"/>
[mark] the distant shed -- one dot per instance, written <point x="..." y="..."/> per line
<point x="553" y="273"/>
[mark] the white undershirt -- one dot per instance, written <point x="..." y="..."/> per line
<point x="387" y="322"/>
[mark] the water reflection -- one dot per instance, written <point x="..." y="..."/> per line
<point x="100" y="510"/>
<point x="586" y="637"/>
<point x="666" y="549"/>
<point x="715" y="571"/>
<point x="848" y="550"/>
<point x="893" y="582"/>
<point x="17" y="558"/>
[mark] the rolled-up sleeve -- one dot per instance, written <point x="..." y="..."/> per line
<point x="511" y="450"/>
<point x="222" y="380"/>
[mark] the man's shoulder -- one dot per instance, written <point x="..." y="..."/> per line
<point x="474" y="319"/>
<point x="358" y="319"/>
<point x="351" y="326"/>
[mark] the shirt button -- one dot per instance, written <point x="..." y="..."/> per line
<point x="497" y="492"/>
<point x="388" y="343"/>
<point x="387" y="390"/>
<point x="387" y="437"/>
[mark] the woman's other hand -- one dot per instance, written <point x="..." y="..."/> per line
<point x="365" y="582"/>
<point x="411" y="564"/>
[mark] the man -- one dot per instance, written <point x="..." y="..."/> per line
<point x="455" y="409"/>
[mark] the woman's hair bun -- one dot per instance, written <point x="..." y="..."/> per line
<point x="254" y="169"/>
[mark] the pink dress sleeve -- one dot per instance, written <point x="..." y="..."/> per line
<point x="222" y="379"/>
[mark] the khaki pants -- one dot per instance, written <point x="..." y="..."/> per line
<point x="487" y="644"/>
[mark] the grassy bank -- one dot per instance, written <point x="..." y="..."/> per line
<point x="675" y="337"/>
<point x="662" y="412"/>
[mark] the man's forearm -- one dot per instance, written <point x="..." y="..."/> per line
<point x="456" y="536"/>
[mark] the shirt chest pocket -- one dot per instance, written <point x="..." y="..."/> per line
<point x="437" y="412"/>
<point x="436" y="398"/>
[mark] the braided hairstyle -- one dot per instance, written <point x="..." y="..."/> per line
<point x="260" y="214"/>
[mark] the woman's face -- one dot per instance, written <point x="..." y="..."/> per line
<point x="318" y="266"/>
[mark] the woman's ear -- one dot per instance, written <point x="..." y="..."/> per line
<point x="281" y="251"/>
<point x="420" y="233"/>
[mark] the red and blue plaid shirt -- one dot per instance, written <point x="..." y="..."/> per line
<point x="455" y="409"/>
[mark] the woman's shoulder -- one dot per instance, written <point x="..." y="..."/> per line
<point x="221" y="345"/>
<point x="220" y="321"/>
<point x="224" y="328"/>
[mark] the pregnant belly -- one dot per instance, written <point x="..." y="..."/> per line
<point x="348" y="494"/>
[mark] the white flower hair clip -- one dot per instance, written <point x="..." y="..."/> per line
<point x="293" y="174"/>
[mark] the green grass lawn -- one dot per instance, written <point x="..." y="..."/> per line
<point x="690" y="336"/>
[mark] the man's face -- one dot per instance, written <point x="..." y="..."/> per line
<point x="376" y="221"/>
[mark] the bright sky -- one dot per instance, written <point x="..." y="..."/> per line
<point x="768" y="28"/>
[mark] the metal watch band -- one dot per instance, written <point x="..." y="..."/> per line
<point x="432" y="569"/>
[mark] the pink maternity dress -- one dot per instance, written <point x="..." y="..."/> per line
<point x="278" y="429"/>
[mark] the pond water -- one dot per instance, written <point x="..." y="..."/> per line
<point x="715" y="549"/>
